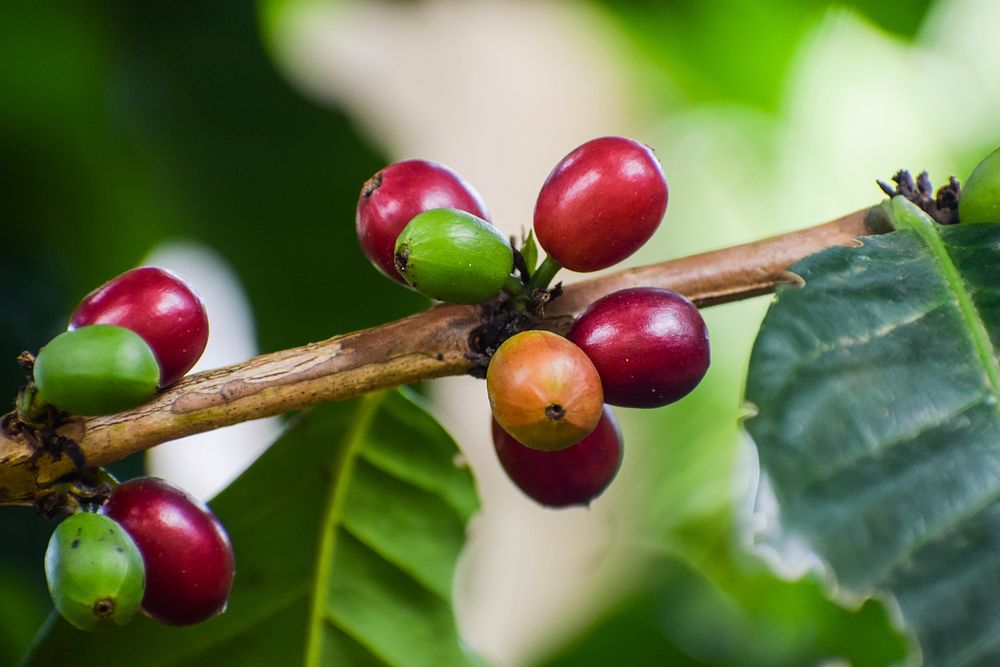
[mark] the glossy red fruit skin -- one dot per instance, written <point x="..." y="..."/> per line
<point x="650" y="346"/>
<point x="189" y="559"/>
<point x="396" y="194"/>
<point x="600" y="204"/>
<point x="159" y="306"/>
<point x="572" y="476"/>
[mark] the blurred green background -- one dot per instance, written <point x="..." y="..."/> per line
<point x="248" y="130"/>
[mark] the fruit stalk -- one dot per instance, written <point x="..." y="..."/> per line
<point x="430" y="344"/>
<point x="541" y="278"/>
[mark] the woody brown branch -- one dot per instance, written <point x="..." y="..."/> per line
<point x="427" y="345"/>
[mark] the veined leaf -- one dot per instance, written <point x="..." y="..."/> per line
<point x="346" y="534"/>
<point x="879" y="430"/>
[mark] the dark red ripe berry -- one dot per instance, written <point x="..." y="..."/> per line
<point x="396" y="194"/>
<point x="189" y="560"/>
<point x="600" y="204"/>
<point x="572" y="476"/>
<point x="157" y="305"/>
<point x="650" y="346"/>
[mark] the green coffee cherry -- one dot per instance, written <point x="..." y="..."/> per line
<point x="980" y="198"/>
<point x="453" y="256"/>
<point x="96" y="370"/>
<point x="95" y="572"/>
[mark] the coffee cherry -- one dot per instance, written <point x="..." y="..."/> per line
<point x="600" y="204"/>
<point x="96" y="370"/>
<point x="453" y="256"/>
<point x="572" y="476"/>
<point x="544" y="391"/>
<point x="980" y="197"/>
<point x="157" y="305"/>
<point x="189" y="560"/>
<point x="396" y="194"/>
<point x="94" y="571"/>
<point x="649" y="345"/>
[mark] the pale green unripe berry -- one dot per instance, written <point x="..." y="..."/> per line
<point x="453" y="256"/>
<point x="96" y="370"/>
<point x="95" y="572"/>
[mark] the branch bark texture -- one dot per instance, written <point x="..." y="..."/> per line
<point x="427" y="345"/>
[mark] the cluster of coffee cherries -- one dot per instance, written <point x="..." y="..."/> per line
<point x="152" y="547"/>
<point x="139" y="331"/>
<point x="421" y="224"/>
<point x="146" y="544"/>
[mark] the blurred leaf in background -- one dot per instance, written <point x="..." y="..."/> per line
<point x="734" y="52"/>
<point x="179" y="126"/>
<point x="727" y="614"/>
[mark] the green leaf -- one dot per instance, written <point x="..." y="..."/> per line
<point x="879" y="431"/>
<point x="346" y="534"/>
<point x="21" y="613"/>
<point x="529" y="251"/>
<point x="690" y="46"/>
<point x="726" y="614"/>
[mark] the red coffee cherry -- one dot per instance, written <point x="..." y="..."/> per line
<point x="544" y="391"/>
<point x="649" y="345"/>
<point x="188" y="556"/>
<point x="159" y="306"/>
<point x="572" y="476"/>
<point x="600" y="204"/>
<point x="397" y="194"/>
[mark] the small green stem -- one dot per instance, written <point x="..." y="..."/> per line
<point x="32" y="409"/>
<point x="513" y="286"/>
<point x="544" y="275"/>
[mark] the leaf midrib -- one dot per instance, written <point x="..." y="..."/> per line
<point x="332" y="516"/>
<point x="927" y="231"/>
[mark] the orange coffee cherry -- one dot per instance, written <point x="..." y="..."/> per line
<point x="544" y="391"/>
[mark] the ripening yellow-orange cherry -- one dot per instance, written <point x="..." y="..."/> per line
<point x="544" y="391"/>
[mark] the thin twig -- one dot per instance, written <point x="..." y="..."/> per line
<point x="431" y="344"/>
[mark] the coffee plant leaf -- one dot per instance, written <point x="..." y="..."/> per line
<point x="346" y="533"/>
<point x="875" y="384"/>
